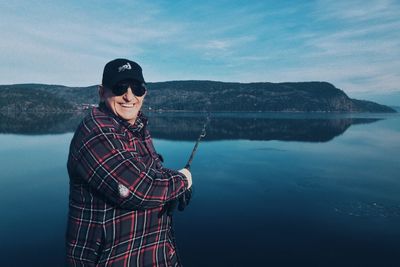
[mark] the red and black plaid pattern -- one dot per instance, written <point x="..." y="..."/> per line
<point x="117" y="189"/>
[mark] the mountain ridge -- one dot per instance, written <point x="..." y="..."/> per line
<point x="196" y="95"/>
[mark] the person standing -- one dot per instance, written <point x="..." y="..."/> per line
<point x="119" y="189"/>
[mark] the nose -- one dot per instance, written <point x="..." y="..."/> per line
<point x="129" y="96"/>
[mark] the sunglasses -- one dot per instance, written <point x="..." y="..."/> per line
<point x="138" y="88"/>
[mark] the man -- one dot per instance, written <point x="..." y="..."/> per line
<point x="119" y="189"/>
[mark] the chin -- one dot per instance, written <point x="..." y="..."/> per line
<point x="131" y="118"/>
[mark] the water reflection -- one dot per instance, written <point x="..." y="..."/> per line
<point x="35" y="123"/>
<point x="272" y="126"/>
<point x="324" y="204"/>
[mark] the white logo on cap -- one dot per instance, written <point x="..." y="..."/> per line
<point x="127" y="66"/>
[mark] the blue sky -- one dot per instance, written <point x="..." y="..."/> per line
<point x="353" y="44"/>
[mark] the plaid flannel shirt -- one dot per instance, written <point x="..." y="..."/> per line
<point x="117" y="189"/>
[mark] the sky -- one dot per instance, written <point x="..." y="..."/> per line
<point x="353" y="44"/>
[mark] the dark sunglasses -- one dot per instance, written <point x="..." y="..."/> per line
<point x="138" y="88"/>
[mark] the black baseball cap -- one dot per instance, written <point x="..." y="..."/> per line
<point x="121" y="69"/>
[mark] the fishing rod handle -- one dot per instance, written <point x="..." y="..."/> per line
<point x="187" y="166"/>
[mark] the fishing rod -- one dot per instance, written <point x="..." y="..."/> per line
<point x="202" y="135"/>
<point x="186" y="196"/>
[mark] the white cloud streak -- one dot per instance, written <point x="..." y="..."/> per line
<point x="357" y="10"/>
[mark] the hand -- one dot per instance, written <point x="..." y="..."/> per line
<point x="168" y="207"/>
<point x="182" y="202"/>
<point x="188" y="176"/>
<point x="184" y="199"/>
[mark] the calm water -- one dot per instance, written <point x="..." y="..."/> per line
<point x="270" y="190"/>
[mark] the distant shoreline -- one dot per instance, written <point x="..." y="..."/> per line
<point x="201" y="112"/>
<point x="198" y="96"/>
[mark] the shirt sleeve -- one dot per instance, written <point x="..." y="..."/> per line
<point x="121" y="176"/>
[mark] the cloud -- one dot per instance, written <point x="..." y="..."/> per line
<point x="359" y="55"/>
<point x="363" y="48"/>
<point x="217" y="44"/>
<point x="353" y="44"/>
<point x="221" y="48"/>
<point x="357" y="10"/>
<point x="73" y="50"/>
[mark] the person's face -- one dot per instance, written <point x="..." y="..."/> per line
<point x="126" y="106"/>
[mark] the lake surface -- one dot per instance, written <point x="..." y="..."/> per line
<point x="270" y="189"/>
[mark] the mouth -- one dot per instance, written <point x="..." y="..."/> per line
<point x="127" y="105"/>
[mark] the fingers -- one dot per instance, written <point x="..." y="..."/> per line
<point x="189" y="194"/>
<point x="184" y="199"/>
<point x="182" y="202"/>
